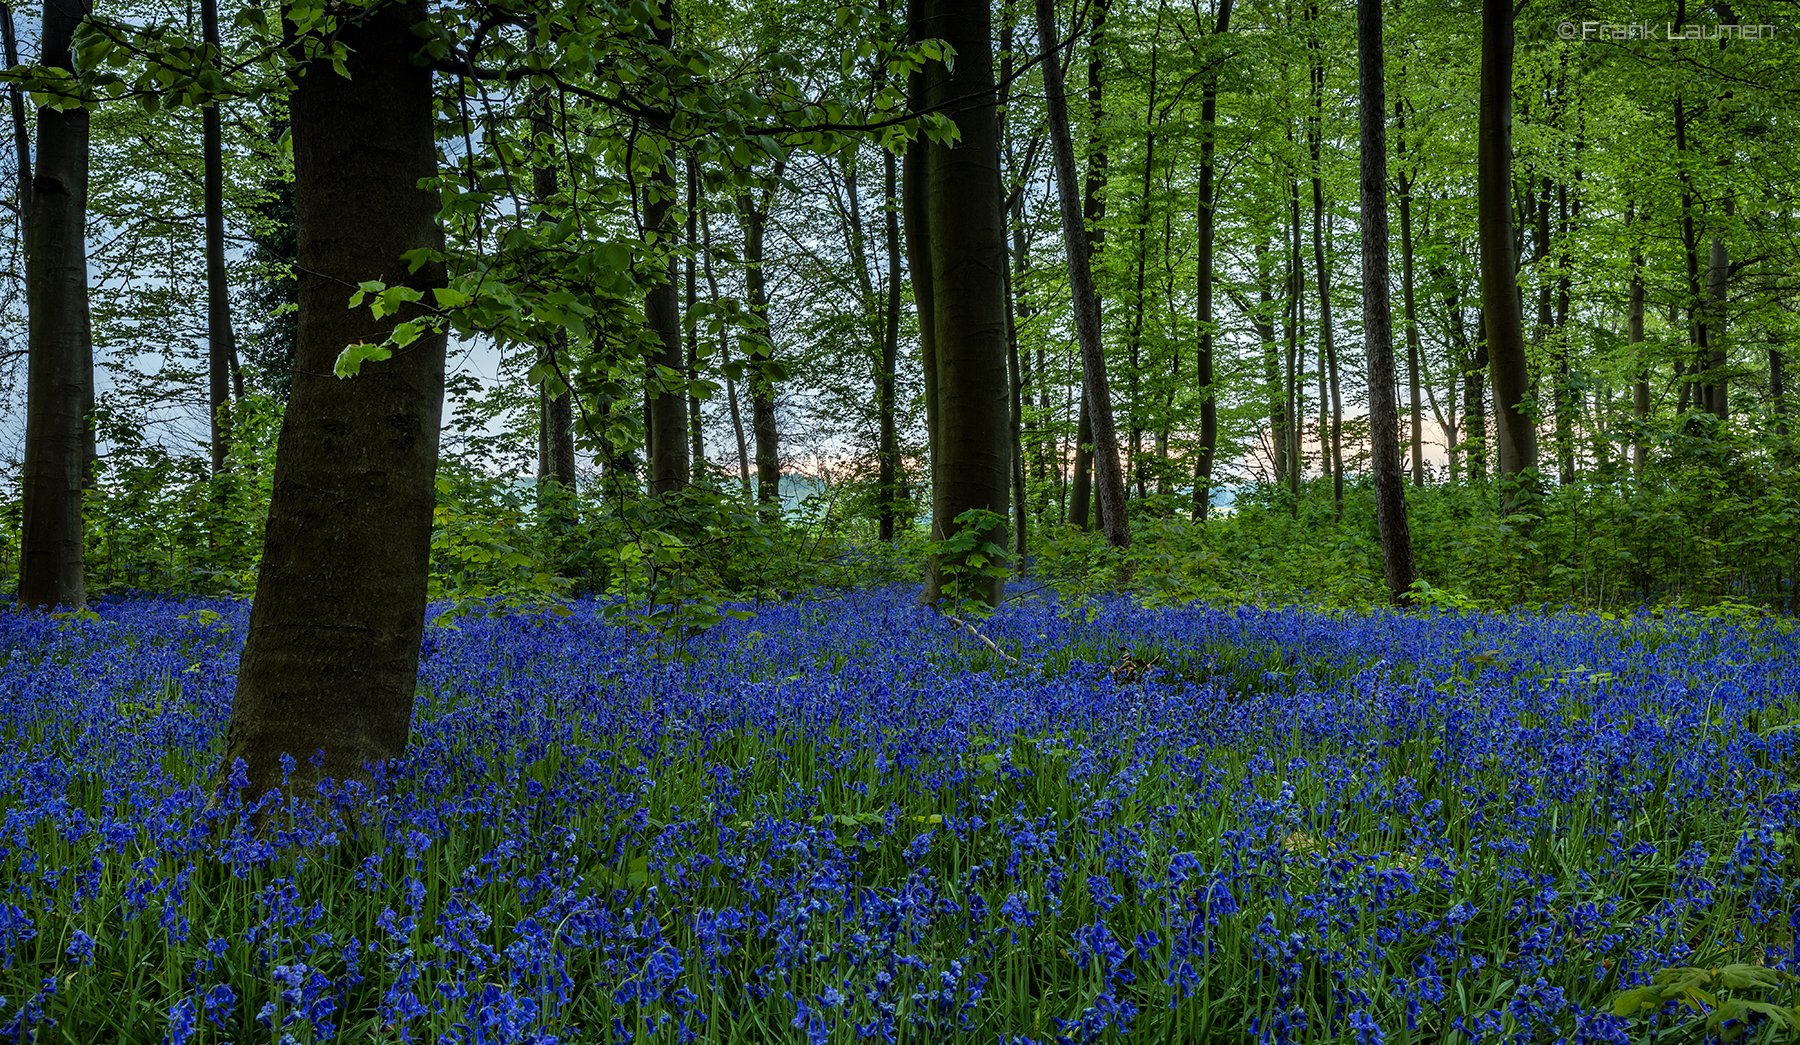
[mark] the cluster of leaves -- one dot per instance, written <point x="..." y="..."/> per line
<point x="1736" y="1000"/>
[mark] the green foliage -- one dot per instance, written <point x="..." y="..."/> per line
<point x="159" y="522"/>
<point x="1735" y="1000"/>
<point x="969" y="560"/>
<point x="1713" y="524"/>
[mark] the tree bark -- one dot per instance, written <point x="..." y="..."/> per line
<point x="1322" y="262"/>
<point x="1108" y="473"/>
<point x="731" y="393"/>
<point x="890" y="500"/>
<point x="965" y="301"/>
<point x="1378" y="322"/>
<point x="762" y="346"/>
<point x="690" y="332"/>
<point x="333" y="651"/>
<point x="221" y="353"/>
<point x="1094" y="216"/>
<point x="666" y="408"/>
<point x="1296" y="346"/>
<point x="1015" y="373"/>
<point x="1515" y="436"/>
<point x="1203" y="302"/>
<point x="1718" y="301"/>
<point x="1634" y="336"/>
<point x="556" y="409"/>
<point x="59" y="387"/>
<point x="1263" y="318"/>
<point x="15" y="100"/>
<point x="1414" y="353"/>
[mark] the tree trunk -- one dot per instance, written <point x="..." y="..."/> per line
<point x="1094" y="217"/>
<point x="1322" y="262"/>
<point x="1778" y="382"/>
<point x="1378" y="321"/>
<point x="1690" y="246"/>
<point x="1634" y="336"/>
<point x="690" y="333"/>
<point x="1414" y="353"/>
<point x="1475" y="400"/>
<point x="1516" y="437"/>
<point x="731" y="393"/>
<point x="1015" y="374"/>
<point x="1082" y="484"/>
<point x="965" y="301"/>
<point x="762" y="347"/>
<point x="221" y="355"/>
<point x="1296" y="351"/>
<point x="666" y="404"/>
<point x="1263" y="318"/>
<point x="1567" y="403"/>
<point x="15" y="100"/>
<point x="333" y="651"/>
<point x="59" y="388"/>
<point x="889" y="500"/>
<point x="556" y="404"/>
<point x="1107" y="470"/>
<point x="1718" y="300"/>
<point x="1134" y="341"/>
<point x="1203" y="301"/>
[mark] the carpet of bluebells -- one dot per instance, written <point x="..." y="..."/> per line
<point x="853" y="820"/>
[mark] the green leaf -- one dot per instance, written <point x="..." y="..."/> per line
<point x="350" y="360"/>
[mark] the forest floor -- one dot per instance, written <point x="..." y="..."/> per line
<point x="849" y="819"/>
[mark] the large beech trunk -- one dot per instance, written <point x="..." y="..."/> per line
<point x="956" y="242"/>
<point x="59" y="389"/>
<point x="332" y="658"/>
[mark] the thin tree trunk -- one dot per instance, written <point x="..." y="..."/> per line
<point x="1322" y="262"/>
<point x="221" y="352"/>
<point x="890" y="502"/>
<point x="1263" y="317"/>
<point x="1414" y="352"/>
<point x="332" y="657"/>
<point x="1516" y="436"/>
<point x="690" y="333"/>
<point x="1566" y="400"/>
<point x="1296" y="347"/>
<point x="1015" y="375"/>
<point x="1135" y="338"/>
<point x="1107" y="471"/>
<point x="1094" y="217"/>
<point x="556" y="416"/>
<point x="1634" y="336"/>
<point x="1690" y="245"/>
<point x="1378" y="320"/>
<point x="762" y="349"/>
<point x="59" y="387"/>
<point x="15" y="99"/>
<point x="1778" y="381"/>
<point x="1475" y="400"/>
<point x="731" y="393"/>
<point x="1718" y="300"/>
<point x="1203" y="305"/>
